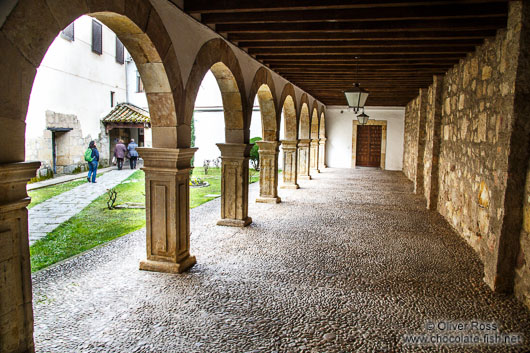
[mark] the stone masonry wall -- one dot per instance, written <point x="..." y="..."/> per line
<point x="415" y="140"/>
<point x="476" y="126"/>
<point x="410" y="148"/>
<point x="71" y="145"/>
<point x="432" y="142"/>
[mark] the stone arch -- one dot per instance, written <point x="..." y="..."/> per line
<point x="217" y="56"/>
<point x="32" y="26"/>
<point x="322" y="126"/>
<point x="263" y="87"/>
<point x="314" y="122"/>
<point x="305" y="125"/>
<point x="287" y="102"/>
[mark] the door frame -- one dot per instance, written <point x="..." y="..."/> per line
<point x="383" y="124"/>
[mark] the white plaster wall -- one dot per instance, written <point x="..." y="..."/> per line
<point x="73" y="80"/>
<point x="339" y="134"/>
<point x="137" y="98"/>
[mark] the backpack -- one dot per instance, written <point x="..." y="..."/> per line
<point x="88" y="155"/>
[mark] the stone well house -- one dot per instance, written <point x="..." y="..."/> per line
<point x="449" y="104"/>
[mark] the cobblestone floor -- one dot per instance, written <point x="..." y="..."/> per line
<point x="48" y="215"/>
<point x="349" y="263"/>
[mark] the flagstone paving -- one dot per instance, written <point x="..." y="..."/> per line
<point x="48" y="215"/>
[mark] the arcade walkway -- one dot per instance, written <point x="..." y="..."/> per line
<point x="350" y="262"/>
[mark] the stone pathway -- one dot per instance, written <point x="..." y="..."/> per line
<point x="48" y="215"/>
<point x="350" y="262"/>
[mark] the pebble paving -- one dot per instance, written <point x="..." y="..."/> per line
<point x="350" y="262"/>
<point x="48" y="215"/>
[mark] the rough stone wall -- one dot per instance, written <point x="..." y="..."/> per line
<point x="522" y="271"/>
<point x="415" y="140"/>
<point x="410" y="148"/>
<point x="71" y="145"/>
<point x="432" y="142"/>
<point x="477" y="116"/>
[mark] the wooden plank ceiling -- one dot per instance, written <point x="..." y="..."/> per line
<point x="400" y="45"/>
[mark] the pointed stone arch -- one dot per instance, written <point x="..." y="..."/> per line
<point x="322" y="125"/>
<point x="305" y="139"/>
<point x="314" y="122"/>
<point x="217" y="56"/>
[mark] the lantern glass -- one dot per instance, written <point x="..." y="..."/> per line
<point x="363" y="118"/>
<point x="356" y="97"/>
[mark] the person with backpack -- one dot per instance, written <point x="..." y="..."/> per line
<point x="92" y="157"/>
<point x="133" y="154"/>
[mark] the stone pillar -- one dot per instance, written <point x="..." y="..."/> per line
<point x="322" y="153"/>
<point x="303" y="159"/>
<point x="16" y="311"/>
<point x="268" y="171"/>
<point x="290" y="162"/>
<point x="234" y="184"/>
<point x="314" y="156"/>
<point x="167" y="174"/>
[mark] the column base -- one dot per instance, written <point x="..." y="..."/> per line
<point x="234" y="222"/>
<point x="268" y="200"/>
<point x="290" y="186"/>
<point x="168" y="267"/>
<point x="315" y="171"/>
<point x="304" y="177"/>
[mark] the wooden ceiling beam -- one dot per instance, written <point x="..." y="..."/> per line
<point x="361" y="51"/>
<point x="379" y="26"/>
<point x="362" y="43"/>
<point x="230" y="6"/>
<point x="365" y="36"/>
<point x="433" y="12"/>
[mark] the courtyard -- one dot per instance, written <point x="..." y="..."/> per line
<point x="350" y="262"/>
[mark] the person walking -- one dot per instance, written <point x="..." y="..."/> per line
<point x="119" y="153"/>
<point x="93" y="164"/>
<point x="133" y="154"/>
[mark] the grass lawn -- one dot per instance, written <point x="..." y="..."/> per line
<point x="43" y="194"/>
<point x="96" y="224"/>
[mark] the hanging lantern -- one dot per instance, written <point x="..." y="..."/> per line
<point x="363" y="118"/>
<point x="356" y="97"/>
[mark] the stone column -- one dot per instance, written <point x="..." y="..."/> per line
<point x="303" y="159"/>
<point x="290" y="162"/>
<point x="322" y="153"/>
<point x="167" y="174"/>
<point x="16" y="311"/>
<point x="268" y="171"/>
<point x="234" y="184"/>
<point x="314" y="156"/>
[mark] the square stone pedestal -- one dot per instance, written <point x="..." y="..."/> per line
<point x="268" y="171"/>
<point x="167" y="174"/>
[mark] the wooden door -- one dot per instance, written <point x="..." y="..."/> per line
<point x="369" y="145"/>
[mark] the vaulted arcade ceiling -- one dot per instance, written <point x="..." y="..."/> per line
<point x="314" y="43"/>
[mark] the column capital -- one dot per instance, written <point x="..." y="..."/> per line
<point x="322" y="140"/>
<point x="234" y="150"/>
<point x="268" y="146"/>
<point x="304" y="142"/>
<point x="289" y="144"/>
<point x="13" y="180"/>
<point x="167" y="158"/>
<point x="315" y="141"/>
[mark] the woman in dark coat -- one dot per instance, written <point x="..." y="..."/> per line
<point x="119" y="153"/>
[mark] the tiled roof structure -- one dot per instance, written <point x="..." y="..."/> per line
<point x="127" y="113"/>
